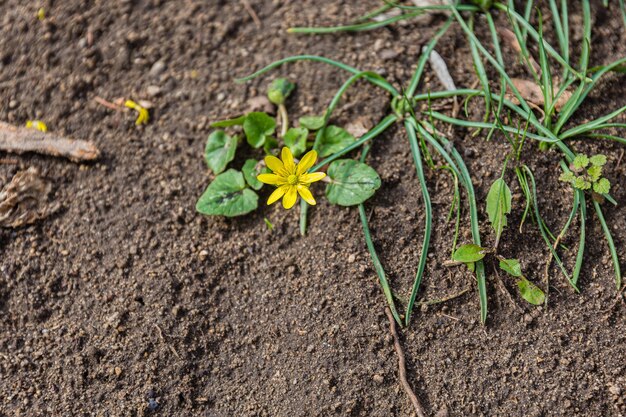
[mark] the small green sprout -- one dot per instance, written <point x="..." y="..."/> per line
<point x="277" y="92"/>
<point x="585" y="173"/>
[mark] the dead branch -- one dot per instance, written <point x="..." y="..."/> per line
<point x="402" y="366"/>
<point x="22" y="140"/>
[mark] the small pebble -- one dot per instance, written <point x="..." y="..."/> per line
<point x="351" y="258"/>
<point x="378" y="378"/>
<point x="158" y="68"/>
<point x="153" y="90"/>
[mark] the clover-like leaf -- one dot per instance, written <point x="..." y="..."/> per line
<point x="251" y="168"/>
<point x="227" y="196"/>
<point x="295" y="140"/>
<point x="580" y="162"/>
<point x="603" y="186"/>
<point x="598" y="160"/>
<point x="530" y="292"/>
<point x="257" y="127"/>
<point x="219" y="150"/>
<point x="352" y="182"/>
<point x="498" y="206"/>
<point x="279" y="90"/>
<point x="581" y="183"/>
<point x="312" y="122"/>
<point x="230" y="122"/>
<point x="468" y="253"/>
<point x="511" y="266"/>
<point x="333" y="140"/>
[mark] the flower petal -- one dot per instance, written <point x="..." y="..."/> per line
<point x="290" y="197"/>
<point x="272" y="179"/>
<point x="306" y="195"/>
<point x="275" y="165"/>
<point x="312" y="177"/>
<point x="306" y="162"/>
<point x="277" y="194"/>
<point x="287" y="157"/>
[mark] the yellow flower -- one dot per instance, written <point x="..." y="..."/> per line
<point x="37" y="124"/>
<point x="291" y="179"/>
<point x="143" y="116"/>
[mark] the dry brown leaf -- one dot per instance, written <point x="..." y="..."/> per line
<point x="532" y="93"/>
<point x="25" y="199"/>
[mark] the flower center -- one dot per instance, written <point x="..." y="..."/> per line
<point x="292" y="179"/>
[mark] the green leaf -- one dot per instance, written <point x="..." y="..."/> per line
<point x="511" y="266"/>
<point x="270" y="143"/>
<point x="295" y="140"/>
<point x="471" y="266"/>
<point x="312" y="122"/>
<point x="581" y="183"/>
<point x="567" y="176"/>
<point x="602" y="187"/>
<point x="219" y="150"/>
<point x="594" y="172"/>
<point x="258" y="126"/>
<point x="352" y="182"/>
<point x="230" y="122"/>
<point x="598" y="160"/>
<point x="498" y="206"/>
<point x="580" y="162"/>
<point x="334" y="139"/>
<point x="468" y="253"/>
<point x="530" y="292"/>
<point x="279" y="90"/>
<point x="252" y="168"/>
<point x="227" y="196"/>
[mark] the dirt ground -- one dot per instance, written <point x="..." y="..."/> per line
<point x="126" y="302"/>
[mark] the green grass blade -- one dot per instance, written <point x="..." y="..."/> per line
<point x="609" y="240"/>
<point x="382" y="84"/>
<point x="596" y="124"/>
<point x="417" y="159"/>
<point x="380" y="271"/>
<point x="358" y="27"/>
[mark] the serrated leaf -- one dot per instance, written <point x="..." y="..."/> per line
<point x="511" y="266"/>
<point x="594" y="172"/>
<point x="295" y="140"/>
<point x="580" y="162"/>
<point x="498" y="206"/>
<point x="230" y="122"/>
<point x="581" y="183"/>
<point x="530" y="292"/>
<point x="312" y="122"/>
<point x="279" y="90"/>
<point x="468" y="253"/>
<point x="567" y="176"/>
<point x="352" y="182"/>
<point x="603" y="186"/>
<point x="251" y="168"/>
<point x="257" y="127"/>
<point x="598" y="160"/>
<point x="227" y="196"/>
<point x="219" y="150"/>
<point x="333" y="140"/>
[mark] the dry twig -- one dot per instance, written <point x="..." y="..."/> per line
<point x="21" y="140"/>
<point x="251" y="12"/>
<point x="402" y="366"/>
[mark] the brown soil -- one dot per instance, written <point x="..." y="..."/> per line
<point x="127" y="298"/>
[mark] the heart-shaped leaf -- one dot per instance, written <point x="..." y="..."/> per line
<point x="498" y="206"/>
<point x="352" y="182"/>
<point x="250" y="171"/>
<point x="468" y="253"/>
<point x="511" y="266"/>
<point x="219" y="150"/>
<point x="227" y="196"/>
<point x="257" y="127"/>
<point x="530" y="292"/>
<point x="295" y="140"/>
<point x="312" y="122"/>
<point x="333" y="139"/>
